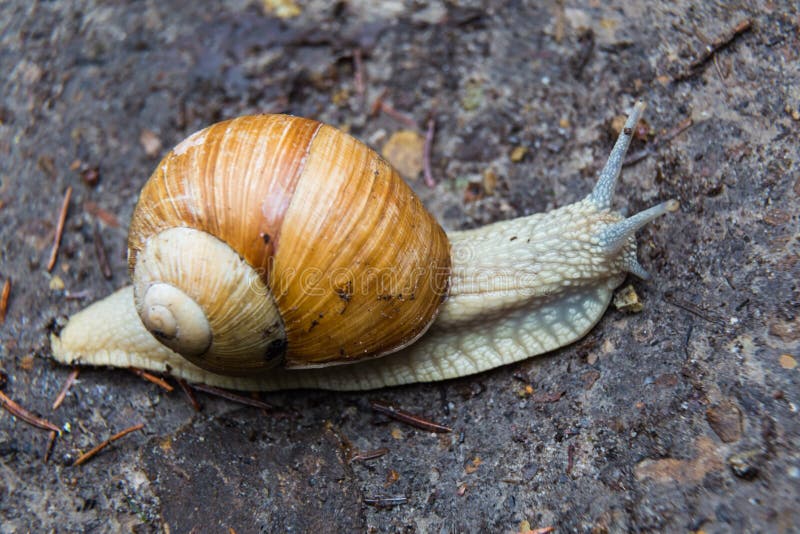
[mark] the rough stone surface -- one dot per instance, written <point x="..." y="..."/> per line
<point x="629" y="446"/>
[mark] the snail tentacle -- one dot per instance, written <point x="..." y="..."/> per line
<point x="615" y="236"/>
<point x="603" y="192"/>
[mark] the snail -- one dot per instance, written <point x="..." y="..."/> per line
<point x="272" y="252"/>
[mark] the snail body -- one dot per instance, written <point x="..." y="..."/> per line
<point x="267" y="251"/>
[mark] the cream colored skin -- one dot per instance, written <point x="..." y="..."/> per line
<point x="517" y="289"/>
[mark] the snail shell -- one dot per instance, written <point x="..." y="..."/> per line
<point x="264" y="246"/>
<point x="340" y="258"/>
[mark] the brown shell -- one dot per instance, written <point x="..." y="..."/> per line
<point x="357" y="266"/>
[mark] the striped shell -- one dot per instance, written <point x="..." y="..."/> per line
<point x="339" y="259"/>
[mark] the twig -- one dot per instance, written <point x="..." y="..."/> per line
<point x="189" y="393"/>
<point x="719" y="72"/>
<point x="78" y="295"/>
<point x="378" y="103"/>
<point x="681" y="127"/>
<point x="4" y="300"/>
<point x="18" y="411"/>
<point x="426" y="153"/>
<point x="65" y="388"/>
<point x="545" y="397"/>
<point x="50" y="443"/>
<point x="229" y="395"/>
<point x="694" y="310"/>
<point x="108" y="218"/>
<point x="163" y="384"/>
<point x="88" y="456"/>
<point x="409" y="418"/>
<point x="381" y="105"/>
<point x="100" y="250"/>
<point x="368" y="455"/>
<point x="570" y="457"/>
<point x="358" y="76"/>
<point x="385" y="502"/>
<point x="715" y="46"/>
<point x="62" y="217"/>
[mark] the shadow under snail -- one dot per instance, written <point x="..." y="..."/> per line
<point x="267" y="250"/>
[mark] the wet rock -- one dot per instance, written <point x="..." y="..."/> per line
<point x="245" y="472"/>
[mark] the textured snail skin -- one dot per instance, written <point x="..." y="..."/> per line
<point x="517" y="288"/>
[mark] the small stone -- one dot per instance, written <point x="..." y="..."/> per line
<point x="472" y="98"/>
<point x="29" y="72"/>
<point x="90" y="176"/>
<point x="432" y="14"/>
<point x="150" y="142"/>
<point x="776" y="217"/>
<point x="745" y="464"/>
<point x="589" y="378"/>
<point x="671" y="470"/>
<point x="666" y="380"/>
<point x="26" y="362"/>
<point x="787" y="331"/>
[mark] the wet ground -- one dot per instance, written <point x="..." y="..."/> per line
<point x="681" y="417"/>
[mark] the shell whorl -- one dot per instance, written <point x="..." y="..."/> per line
<point x="197" y="296"/>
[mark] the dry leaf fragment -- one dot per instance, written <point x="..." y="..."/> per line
<point x="405" y="150"/>
<point x="725" y="419"/>
<point x="391" y="477"/>
<point x="517" y="153"/>
<point x="787" y="361"/>
<point x="627" y="300"/>
<point x="56" y="283"/>
<point x="489" y="181"/>
<point x="472" y="466"/>
<point x="283" y="9"/>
